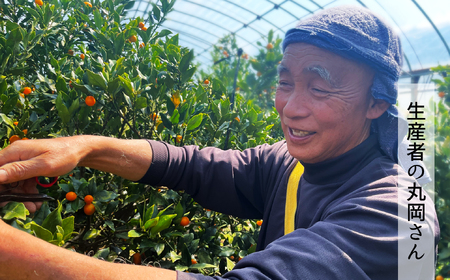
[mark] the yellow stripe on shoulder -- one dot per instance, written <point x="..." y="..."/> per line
<point x="291" y="198"/>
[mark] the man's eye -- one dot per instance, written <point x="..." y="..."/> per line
<point x="319" y="91"/>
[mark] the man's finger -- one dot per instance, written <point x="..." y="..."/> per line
<point x="21" y="170"/>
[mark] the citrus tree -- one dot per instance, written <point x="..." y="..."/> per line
<point x="72" y="68"/>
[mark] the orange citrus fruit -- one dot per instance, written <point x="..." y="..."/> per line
<point x="71" y="196"/>
<point x="225" y="53"/>
<point x="144" y="28"/>
<point x="88" y="199"/>
<point x="39" y="2"/>
<point x="269" y="46"/>
<point x="137" y="258"/>
<point x="16" y="123"/>
<point x="193" y="261"/>
<point x="133" y="38"/>
<point x="89" y="209"/>
<point x="439" y="277"/>
<point x="179" y="138"/>
<point x="141" y="45"/>
<point x="88" y="4"/>
<point x="70" y="52"/>
<point x="14" y="138"/>
<point x="25" y="131"/>
<point x="441" y="94"/>
<point x="82" y="56"/>
<point x="206" y="82"/>
<point x="259" y="223"/>
<point x="26" y="90"/>
<point x="141" y="24"/>
<point x="184" y="221"/>
<point x="154" y="116"/>
<point x="25" y="138"/>
<point x="176" y="100"/>
<point x="90" y="101"/>
<point x="238" y="119"/>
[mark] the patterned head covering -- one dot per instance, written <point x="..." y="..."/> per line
<point x="358" y="34"/>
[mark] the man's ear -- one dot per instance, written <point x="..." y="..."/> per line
<point x="376" y="108"/>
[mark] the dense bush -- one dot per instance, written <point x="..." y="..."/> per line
<point x="442" y="167"/>
<point x="61" y="56"/>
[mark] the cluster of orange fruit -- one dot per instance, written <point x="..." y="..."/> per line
<point x="269" y="46"/>
<point x="142" y="26"/>
<point x="15" y="138"/>
<point x="39" y="2"/>
<point x="88" y="4"/>
<point x="89" y="208"/>
<point x="245" y="56"/>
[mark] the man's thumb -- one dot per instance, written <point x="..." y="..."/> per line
<point x="3" y="176"/>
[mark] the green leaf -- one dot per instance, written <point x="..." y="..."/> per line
<point x="230" y="264"/>
<point x="175" y="117"/>
<point x="98" y="19"/>
<point x="113" y="85"/>
<point x="61" y="84"/>
<point x="133" y="233"/>
<point x="110" y="224"/>
<point x="102" y="254"/>
<point x="186" y="61"/>
<point x="91" y="234"/>
<point x="14" y="210"/>
<point x="7" y="120"/>
<point x="201" y="266"/>
<point x="68" y="225"/>
<point x="96" y="79"/>
<point x="163" y="223"/>
<point x="156" y="12"/>
<point x="163" y="33"/>
<point x="166" y="122"/>
<point x="194" y="122"/>
<point x="75" y="105"/>
<point x="105" y="196"/>
<point x="151" y="223"/>
<point x="141" y="102"/>
<point x="127" y="85"/>
<point x="186" y="76"/>
<point x="63" y="112"/>
<point x="41" y="232"/>
<point x="159" y="248"/>
<point x="150" y="213"/>
<point x="54" y="219"/>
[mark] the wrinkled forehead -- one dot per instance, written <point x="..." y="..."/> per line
<point x="304" y="59"/>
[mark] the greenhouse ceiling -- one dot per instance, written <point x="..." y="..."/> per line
<point x="423" y="25"/>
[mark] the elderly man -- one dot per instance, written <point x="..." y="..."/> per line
<point x="337" y="81"/>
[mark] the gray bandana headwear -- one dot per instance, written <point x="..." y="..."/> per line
<point x="358" y="34"/>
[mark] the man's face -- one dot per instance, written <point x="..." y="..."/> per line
<point x="322" y="99"/>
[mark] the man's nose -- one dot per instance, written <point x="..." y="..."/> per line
<point x="297" y="105"/>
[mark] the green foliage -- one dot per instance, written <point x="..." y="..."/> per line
<point x="143" y="89"/>
<point x="442" y="168"/>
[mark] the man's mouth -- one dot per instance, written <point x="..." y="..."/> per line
<point x="300" y="133"/>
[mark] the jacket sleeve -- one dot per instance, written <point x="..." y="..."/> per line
<point x="230" y="182"/>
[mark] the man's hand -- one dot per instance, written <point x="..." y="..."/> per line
<point x="49" y="157"/>
<point x="24" y="187"/>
